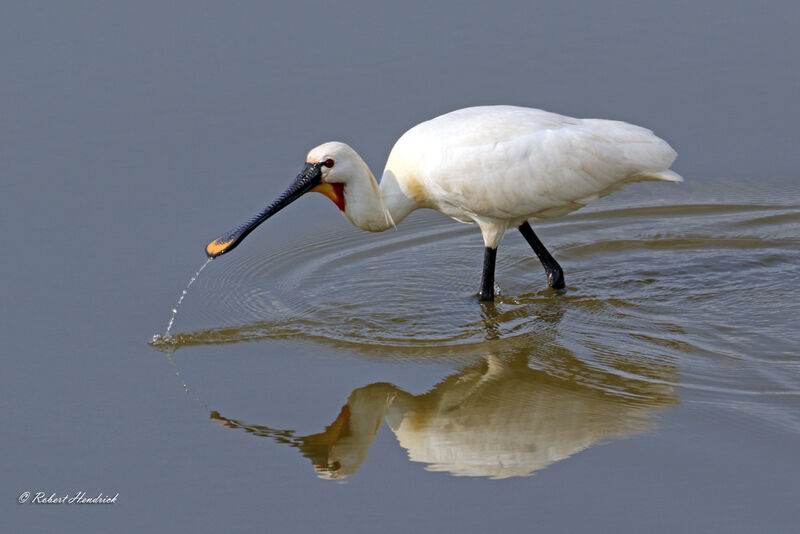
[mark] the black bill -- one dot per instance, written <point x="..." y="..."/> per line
<point x="305" y="181"/>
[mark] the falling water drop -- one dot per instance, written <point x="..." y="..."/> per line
<point x="164" y="339"/>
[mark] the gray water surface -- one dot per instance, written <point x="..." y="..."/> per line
<point x="322" y="378"/>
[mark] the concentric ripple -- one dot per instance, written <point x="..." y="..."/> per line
<point x="699" y="285"/>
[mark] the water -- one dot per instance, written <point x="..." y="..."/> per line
<point x="339" y="381"/>
<point x="160" y="340"/>
<point x="661" y="299"/>
<point x="416" y="288"/>
<point x="497" y="418"/>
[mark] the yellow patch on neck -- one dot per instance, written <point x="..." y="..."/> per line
<point x="335" y="192"/>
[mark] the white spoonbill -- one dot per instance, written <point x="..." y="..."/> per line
<point x="496" y="166"/>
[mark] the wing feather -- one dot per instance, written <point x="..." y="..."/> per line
<point x="506" y="162"/>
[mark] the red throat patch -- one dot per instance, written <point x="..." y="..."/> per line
<point x="335" y="192"/>
<point x="338" y="189"/>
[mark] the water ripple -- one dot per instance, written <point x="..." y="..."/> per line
<point x="706" y="287"/>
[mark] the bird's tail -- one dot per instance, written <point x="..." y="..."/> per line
<point x="663" y="176"/>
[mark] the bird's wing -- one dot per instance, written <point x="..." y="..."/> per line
<point x="545" y="172"/>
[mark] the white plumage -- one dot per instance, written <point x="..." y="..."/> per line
<point x="496" y="166"/>
<point x="501" y="165"/>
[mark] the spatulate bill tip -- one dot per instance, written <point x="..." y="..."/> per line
<point x="219" y="246"/>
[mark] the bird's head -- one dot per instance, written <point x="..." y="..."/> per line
<point x="341" y="165"/>
<point x="328" y="169"/>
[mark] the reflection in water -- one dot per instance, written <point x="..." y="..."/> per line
<point x="703" y="287"/>
<point x="706" y="286"/>
<point x="496" y="418"/>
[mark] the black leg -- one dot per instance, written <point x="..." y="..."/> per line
<point x="487" y="282"/>
<point x="555" y="276"/>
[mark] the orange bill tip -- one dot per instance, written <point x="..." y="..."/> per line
<point x="217" y="247"/>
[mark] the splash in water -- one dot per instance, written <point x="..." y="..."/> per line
<point x="165" y="340"/>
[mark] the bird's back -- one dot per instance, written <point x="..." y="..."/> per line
<point x="511" y="162"/>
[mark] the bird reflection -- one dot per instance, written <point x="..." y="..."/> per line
<point x="496" y="418"/>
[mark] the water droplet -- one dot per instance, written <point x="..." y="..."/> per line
<point x="158" y="339"/>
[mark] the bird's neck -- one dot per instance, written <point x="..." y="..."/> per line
<point x="374" y="208"/>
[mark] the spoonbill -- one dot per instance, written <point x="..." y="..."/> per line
<point x="496" y="166"/>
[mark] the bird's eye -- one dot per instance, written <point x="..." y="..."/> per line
<point x="328" y="163"/>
